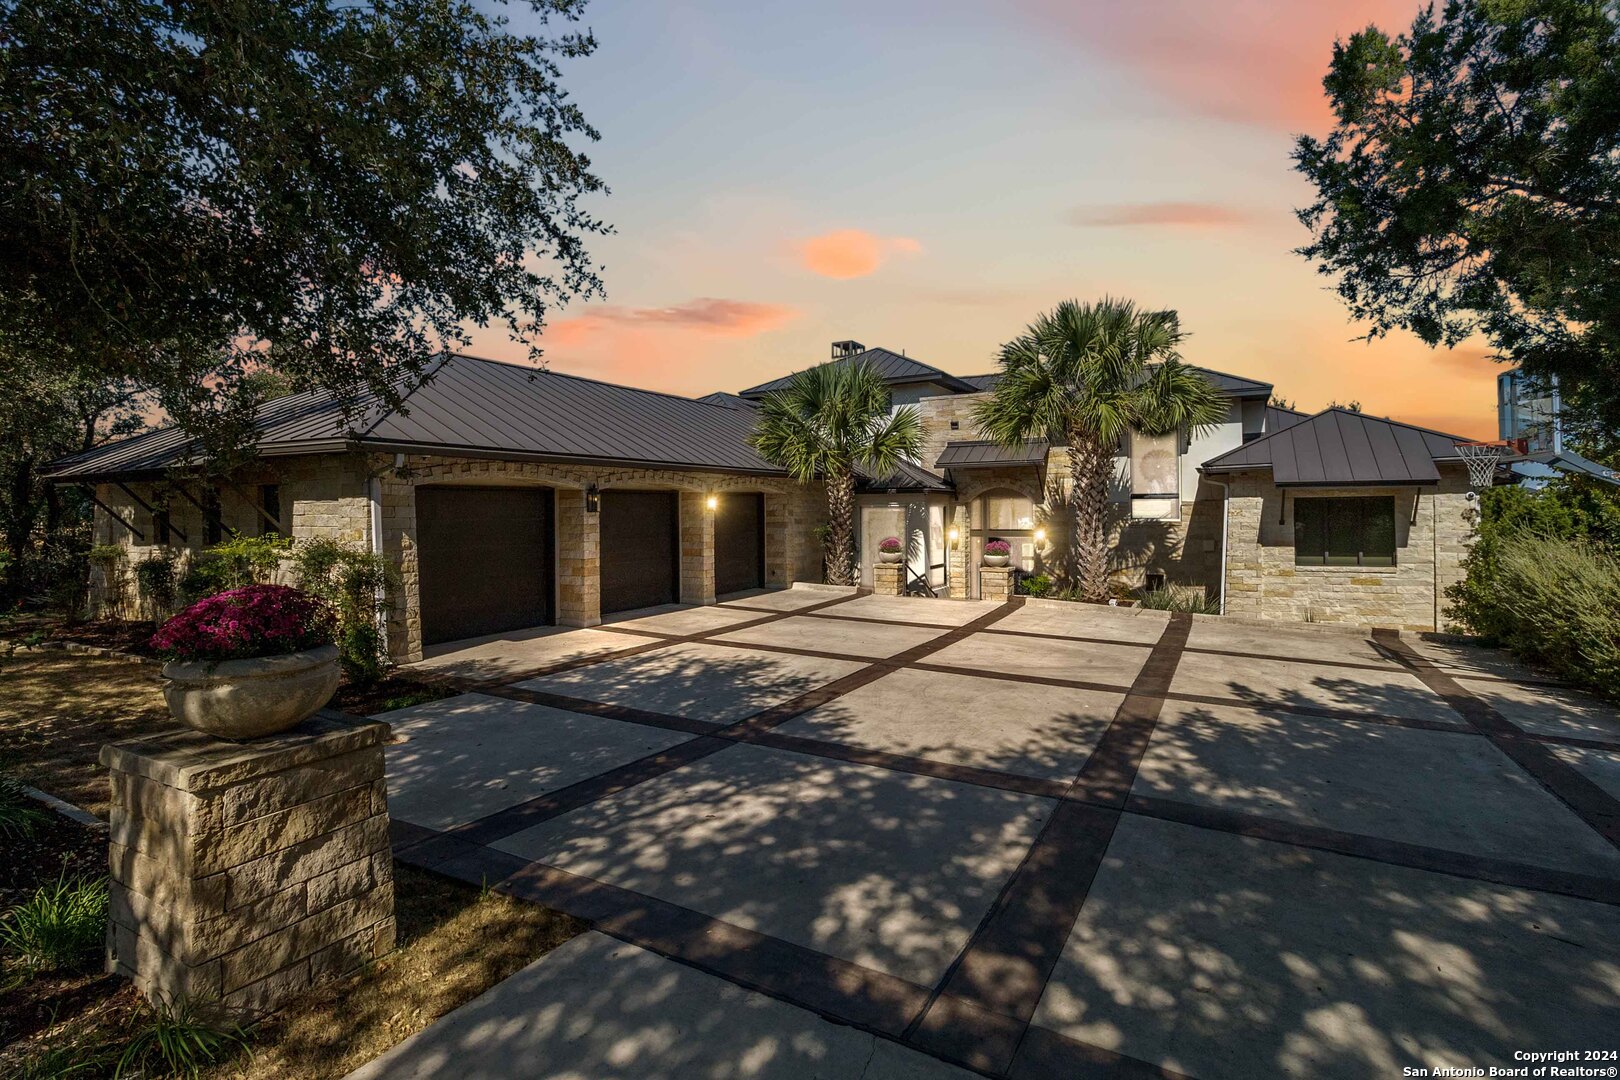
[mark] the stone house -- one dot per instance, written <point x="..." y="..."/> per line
<point x="509" y="498"/>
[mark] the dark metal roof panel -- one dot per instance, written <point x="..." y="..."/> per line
<point x="1342" y="447"/>
<point x="890" y="366"/>
<point x="958" y="455"/>
<point x="906" y="476"/>
<point x="1278" y="418"/>
<point x="730" y="401"/>
<point x="1234" y="385"/>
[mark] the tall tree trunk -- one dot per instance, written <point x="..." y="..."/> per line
<point x="841" y="529"/>
<point x="1089" y="464"/>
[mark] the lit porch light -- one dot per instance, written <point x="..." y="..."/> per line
<point x="712" y="502"/>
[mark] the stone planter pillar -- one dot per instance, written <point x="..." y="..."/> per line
<point x="247" y="872"/>
<point x="995" y="582"/>
<point x="888" y="578"/>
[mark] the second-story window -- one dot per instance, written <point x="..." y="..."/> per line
<point x="1155" y="475"/>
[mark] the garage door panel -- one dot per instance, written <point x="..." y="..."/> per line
<point x="739" y="543"/>
<point x="640" y="549"/>
<point x="484" y="559"/>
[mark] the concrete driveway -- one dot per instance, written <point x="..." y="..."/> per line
<point x="1024" y="839"/>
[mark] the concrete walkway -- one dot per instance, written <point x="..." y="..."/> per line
<point x="1028" y="840"/>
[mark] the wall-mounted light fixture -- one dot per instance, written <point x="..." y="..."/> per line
<point x="712" y="502"/>
<point x="593" y="500"/>
<point x="1040" y="536"/>
<point x="955" y="535"/>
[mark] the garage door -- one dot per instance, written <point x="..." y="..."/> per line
<point x="484" y="556"/>
<point x="640" y="549"/>
<point x="739" y="543"/>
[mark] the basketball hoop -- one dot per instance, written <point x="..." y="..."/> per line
<point x="1483" y="457"/>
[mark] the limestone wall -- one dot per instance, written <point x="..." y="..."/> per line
<point x="1433" y="531"/>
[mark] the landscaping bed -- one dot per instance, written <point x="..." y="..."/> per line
<point x="120" y="635"/>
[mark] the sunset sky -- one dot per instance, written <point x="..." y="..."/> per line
<point x="928" y="175"/>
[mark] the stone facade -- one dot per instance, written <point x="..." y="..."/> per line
<point x="697" y="548"/>
<point x="1434" y="527"/>
<point x="995" y="583"/>
<point x="246" y="873"/>
<point x="888" y="579"/>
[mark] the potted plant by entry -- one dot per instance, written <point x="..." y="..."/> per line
<point x="889" y="549"/>
<point x="997" y="553"/>
<point x="249" y="662"/>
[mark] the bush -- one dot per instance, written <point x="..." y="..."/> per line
<point x="157" y="581"/>
<point x="19" y="814"/>
<point x="180" y="1039"/>
<point x="1034" y="584"/>
<point x="113" y="562"/>
<point x="61" y="926"/>
<point x="258" y="620"/>
<point x="1550" y="601"/>
<point x="349" y="579"/>
<point x="1189" y="600"/>
<point x="233" y="564"/>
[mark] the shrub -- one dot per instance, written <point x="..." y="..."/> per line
<point x="61" y="926"/>
<point x="157" y="580"/>
<point x="1551" y="601"/>
<point x="113" y="562"/>
<point x="997" y="547"/>
<point x="1034" y="584"/>
<point x="180" y="1038"/>
<point x="258" y="620"/>
<point x="19" y="814"/>
<point x="890" y="544"/>
<point x="1190" y="600"/>
<point x="349" y="579"/>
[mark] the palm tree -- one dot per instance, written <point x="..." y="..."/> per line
<point x="829" y="421"/>
<point x="1085" y="376"/>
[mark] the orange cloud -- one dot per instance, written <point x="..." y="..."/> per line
<point x="851" y="253"/>
<point x="1190" y="215"/>
<point x="704" y="315"/>
<point x="1253" y="61"/>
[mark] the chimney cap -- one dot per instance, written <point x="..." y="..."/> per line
<point x="849" y="347"/>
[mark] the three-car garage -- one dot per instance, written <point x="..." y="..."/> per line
<point x="486" y="556"/>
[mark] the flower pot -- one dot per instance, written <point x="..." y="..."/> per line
<point x="246" y="699"/>
<point x="997" y="560"/>
<point x="890" y="556"/>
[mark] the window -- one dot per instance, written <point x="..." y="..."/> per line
<point x="160" y="524"/>
<point x="213" y="527"/>
<point x="1008" y="512"/>
<point x="1155" y="475"/>
<point x="270" y="502"/>
<point x="1344" y="532"/>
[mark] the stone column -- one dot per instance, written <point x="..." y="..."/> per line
<point x="995" y="583"/>
<point x="697" y="549"/>
<point x="246" y="873"/>
<point x="888" y="579"/>
<point x="778" y="564"/>
<point x="579" y="563"/>
<point x="957" y="553"/>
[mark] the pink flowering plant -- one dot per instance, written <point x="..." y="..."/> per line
<point x="889" y="543"/>
<point x="253" y="621"/>
<point x="998" y="547"/>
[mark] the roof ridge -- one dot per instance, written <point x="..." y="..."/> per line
<point x="1218" y="458"/>
<point x="1397" y="423"/>
<point x="588" y="379"/>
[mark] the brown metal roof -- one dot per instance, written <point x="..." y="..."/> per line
<point x="1338" y="447"/>
<point x="478" y="407"/>
<point x="958" y="455"/>
<point x="891" y="367"/>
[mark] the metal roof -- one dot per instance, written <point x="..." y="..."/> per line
<point x="983" y="382"/>
<point x="1230" y="385"/>
<point x="1278" y="418"/>
<point x="891" y="367"/>
<point x="959" y="455"/>
<point x="906" y="476"/>
<point x="730" y="401"/>
<point x="479" y="407"/>
<point x="1338" y="447"/>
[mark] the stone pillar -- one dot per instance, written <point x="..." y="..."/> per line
<point x="778" y="564"/>
<point x="579" y="563"/>
<point x="957" y="553"/>
<point x="888" y="579"/>
<point x="995" y="583"/>
<point x="697" y="548"/>
<point x="246" y="873"/>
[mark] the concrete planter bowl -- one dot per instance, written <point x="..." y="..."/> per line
<point x="997" y="560"/>
<point x="890" y="556"/>
<point x="247" y="699"/>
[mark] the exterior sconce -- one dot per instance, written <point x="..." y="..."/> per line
<point x="955" y="535"/>
<point x="593" y="500"/>
<point x="1040" y="536"/>
<point x="712" y="502"/>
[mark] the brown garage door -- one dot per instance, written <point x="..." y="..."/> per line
<point x="484" y="556"/>
<point x="640" y="549"/>
<point x="739" y="543"/>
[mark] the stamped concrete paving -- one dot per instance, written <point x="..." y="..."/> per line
<point x="1029" y="840"/>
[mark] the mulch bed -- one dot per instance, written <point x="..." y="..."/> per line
<point x="120" y="635"/>
<point x="387" y="694"/>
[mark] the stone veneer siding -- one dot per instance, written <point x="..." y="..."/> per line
<point x="1263" y="582"/>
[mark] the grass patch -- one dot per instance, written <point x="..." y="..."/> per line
<point x="61" y="927"/>
<point x="20" y="815"/>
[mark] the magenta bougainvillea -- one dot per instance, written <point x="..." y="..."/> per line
<point x="998" y="547"/>
<point x="258" y="620"/>
<point x="889" y="543"/>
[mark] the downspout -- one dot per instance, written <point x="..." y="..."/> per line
<point x="374" y="495"/>
<point x="1226" y="517"/>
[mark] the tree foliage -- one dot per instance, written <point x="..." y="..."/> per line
<point x="1086" y="376"/>
<point x="193" y="192"/>
<point x="1472" y="184"/>
<point x="829" y="421"/>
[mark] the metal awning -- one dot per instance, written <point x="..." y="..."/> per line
<point x="967" y="455"/>
<point x="1542" y="466"/>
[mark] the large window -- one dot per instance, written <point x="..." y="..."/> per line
<point x="1345" y="532"/>
<point x="1155" y="475"/>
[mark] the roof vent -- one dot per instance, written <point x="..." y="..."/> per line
<point x="841" y="349"/>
